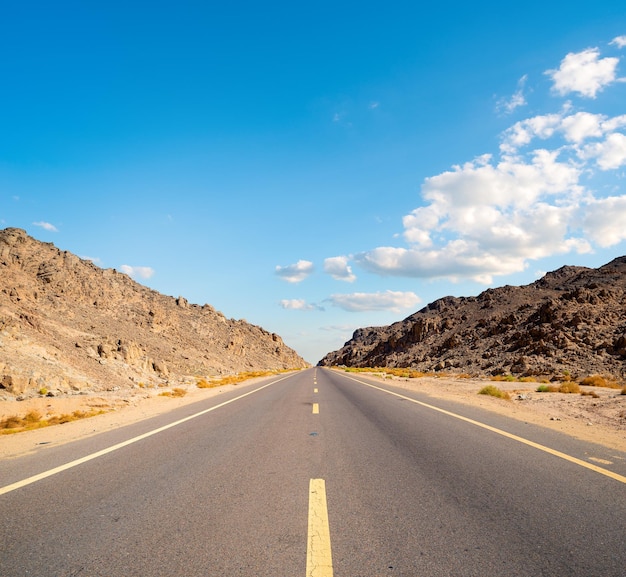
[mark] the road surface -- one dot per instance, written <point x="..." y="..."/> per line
<point x="318" y="473"/>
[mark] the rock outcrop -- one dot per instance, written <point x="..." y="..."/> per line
<point x="573" y="320"/>
<point x="68" y="325"/>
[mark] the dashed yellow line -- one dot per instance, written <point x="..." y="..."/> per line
<point x="565" y="456"/>
<point x="319" y="562"/>
<point x="315" y="390"/>
<point x="316" y="408"/>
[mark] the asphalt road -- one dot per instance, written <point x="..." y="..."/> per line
<point x="316" y="474"/>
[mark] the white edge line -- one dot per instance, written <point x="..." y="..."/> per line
<point x="75" y="463"/>
<point x="528" y="442"/>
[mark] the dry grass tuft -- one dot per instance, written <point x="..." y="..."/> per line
<point x="203" y="383"/>
<point x="494" y="391"/>
<point x="569" y="387"/>
<point x="507" y="378"/>
<point x="389" y="372"/>
<point x="176" y="392"/>
<point x="33" y="420"/>
<point x="600" y="381"/>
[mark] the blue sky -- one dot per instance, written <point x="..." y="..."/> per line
<point x="317" y="168"/>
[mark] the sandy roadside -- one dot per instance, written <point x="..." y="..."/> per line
<point x="121" y="408"/>
<point x="599" y="420"/>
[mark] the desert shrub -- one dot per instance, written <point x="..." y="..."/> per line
<point x="599" y="381"/>
<point x="494" y="391"/>
<point x="507" y="378"/>
<point x="624" y="390"/>
<point x="43" y="391"/>
<point x="176" y="392"/>
<point x="202" y="383"/>
<point x="592" y="394"/>
<point x="546" y="389"/>
<point x="569" y="387"/>
<point x="32" y="417"/>
<point x="34" y="420"/>
<point x="12" y="422"/>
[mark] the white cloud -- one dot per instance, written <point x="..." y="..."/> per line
<point x="299" y="305"/>
<point x="46" y="226"/>
<point x="338" y="268"/>
<point x="488" y="218"/>
<point x="575" y="128"/>
<point x="143" y="272"/>
<point x="297" y="272"/>
<point x="604" y="220"/>
<point x="523" y="132"/>
<point x="518" y="99"/>
<point x="581" y="126"/>
<point x="610" y="153"/>
<point x="619" y="41"/>
<point x="544" y="194"/>
<point x="373" y="105"/>
<point x="380" y="301"/>
<point x="583" y="72"/>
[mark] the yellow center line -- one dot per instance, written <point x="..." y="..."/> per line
<point x="554" y="452"/>
<point x="319" y="562"/>
<point x="315" y="390"/>
<point x="316" y="409"/>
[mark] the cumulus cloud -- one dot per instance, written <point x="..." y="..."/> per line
<point x="143" y="272"/>
<point x="604" y="220"/>
<point x="537" y="198"/>
<point x="584" y="72"/>
<point x="338" y="268"/>
<point x="299" y="305"/>
<point x="610" y="153"/>
<point x="46" y="226"/>
<point x="380" y="301"/>
<point x="295" y="273"/>
<point x="489" y="218"/>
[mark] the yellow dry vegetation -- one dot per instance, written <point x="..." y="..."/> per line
<point x="34" y="420"/>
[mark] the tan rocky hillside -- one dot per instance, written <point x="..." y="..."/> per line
<point x="573" y="321"/>
<point x="68" y="325"/>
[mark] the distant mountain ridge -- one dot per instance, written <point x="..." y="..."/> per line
<point x="66" y="324"/>
<point x="571" y="320"/>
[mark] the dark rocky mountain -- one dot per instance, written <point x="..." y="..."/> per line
<point x="68" y="325"/>
<point x="572" y="320"/>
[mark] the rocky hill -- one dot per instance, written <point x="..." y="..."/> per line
<point x="572" y="320"/>
<point x="68" y="325"/>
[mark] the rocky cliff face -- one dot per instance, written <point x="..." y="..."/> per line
<point x="66" y="324"/>
<point x="573" y="319"/>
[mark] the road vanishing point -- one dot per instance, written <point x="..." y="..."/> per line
<point x="318" y="473"/>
